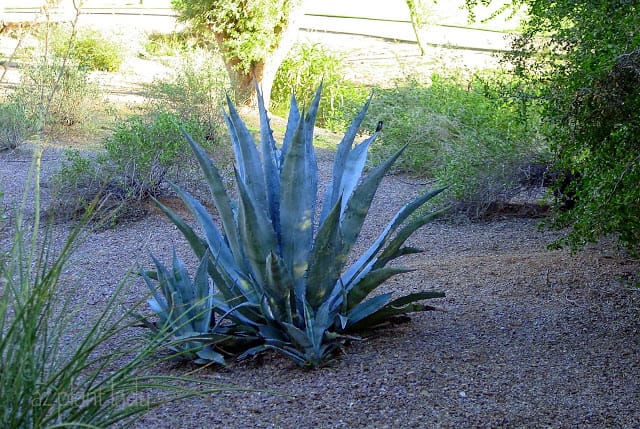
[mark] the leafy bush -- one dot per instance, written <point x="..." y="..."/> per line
<point x="57" y="95"/>
<point x="279" y="282"/>
<point x="604" y="148"/>
<point x="195" y="92"/>
<point x="140" y="156"/>
<point x="49" y="380"/>
<point x="89" y="49"/>
<point x="15" y="126"/>
<point x="474" y="135"/>
<point x="572" y="48"/>
<point x="144" y="151"/>
<point x="305" y="67"/>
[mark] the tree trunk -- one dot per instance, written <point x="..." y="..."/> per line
<point x="263" y="71"/>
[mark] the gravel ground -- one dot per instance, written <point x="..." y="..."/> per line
<point x="527" y="337"/>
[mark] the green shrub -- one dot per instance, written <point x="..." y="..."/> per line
<point x="576" y="50"/>
<point x="77" y="184"/>
<point x="142" y="154"/>
<point x="15" y="125"/>
<point x="603" y="153"/>
<point x="89" y="49"/>
<point x="58" y="96"/>
<point x="475" y="135"/>
<point x="194" y="92"/>
<point x="57" y="372"/>
<point x="306" y="66"/>
<point x="279" y="282"/>
<point x="144" y="151"/>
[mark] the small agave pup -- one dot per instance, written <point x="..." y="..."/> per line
<point x="277" y="275"/>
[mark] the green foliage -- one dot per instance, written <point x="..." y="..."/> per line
<point x="279" y="271"/>
<point x="57" y="96"/>
<point x="247" y="31"/>
<point x="89" y="49"/>
<point x="15" y="125"/>
<point x="472" y="134"/>
<point x="144" y="151"/>
<point x="140" y="156"/>
<point x="605" y="150"/>
<point x="176" y="43"/>
<point x="59" y="369"/>
<point x="195" y="90"/>
<point x="572" y="48"/>
<point x="306" y="66"/>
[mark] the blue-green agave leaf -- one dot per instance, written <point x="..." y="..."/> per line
<point x="292" y="126"/>
<point x="241" y="314"/>
<point x="203" y="297"/>
<point x="218" y="246"/>
<point x="394" y="249"/>
<point x="297" y="205"/>
<point x="370" y="282"/>
<point x="220" y="199"/>
<point x="198" y="245"/>
<point x="318" y="323"/>
<point x="360" y="201"/>
<point x="257" y="235"/>
<point x="340" y="160"/>
<point x="278" y="289"/>
<point x="207" y="354"/>
<point x="353" y="168"/>
<point x="310" y="118"/>
<point x="248" y="160"/>
<point x="367" y="308"/>
<point x="326" y="260"/>
<point x="157" y="303"/>
<point x="298" y="336"/>
<point x="271" y="163"/>
<point x="403" y="305"/>
<point x="364" y="262"/>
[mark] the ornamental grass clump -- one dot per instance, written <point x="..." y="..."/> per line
<point x="63" y="364"/>
<point x="276" y="268"/>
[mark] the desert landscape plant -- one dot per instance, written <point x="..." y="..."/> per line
<point x="89" y="48"/>
<point x="571" y="50"/>
<point x="306" y="65"/>
<point x="15" y="125"/>
<point x="55" y="371"/>
<point x="144" y="150"/>
<point x="477" y="134"/>
<point x="194" y="90"/>
<point x="278" y="268"/>
<point x="66" y="91"/>
<point x="253" y="37"/>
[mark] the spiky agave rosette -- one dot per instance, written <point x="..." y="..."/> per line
<point x="276" y="271"/>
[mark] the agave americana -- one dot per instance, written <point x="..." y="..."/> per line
<point x="276" y="268"/>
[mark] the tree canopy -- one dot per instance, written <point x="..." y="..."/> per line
<point x="253" y="36"/>
<point x="584" y="57"/>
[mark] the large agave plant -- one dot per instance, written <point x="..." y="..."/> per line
<point x="278" y="265"/>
